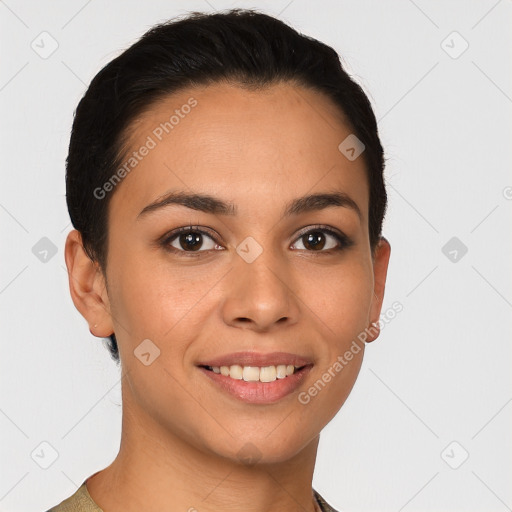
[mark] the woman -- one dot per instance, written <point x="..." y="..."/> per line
<point x="225" y="182"/>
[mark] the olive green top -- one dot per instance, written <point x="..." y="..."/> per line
<point x="81" y="501"/>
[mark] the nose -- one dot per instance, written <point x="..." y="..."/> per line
<point x="260" y="295"/>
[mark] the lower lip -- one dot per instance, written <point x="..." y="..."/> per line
<point x="259" y="392"/>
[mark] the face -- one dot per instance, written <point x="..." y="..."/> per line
<point x="258" y="278"/>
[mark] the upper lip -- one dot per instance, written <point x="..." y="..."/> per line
<point x="257" y="359"/>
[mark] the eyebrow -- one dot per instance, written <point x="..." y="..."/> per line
<point x="210" y="204"/>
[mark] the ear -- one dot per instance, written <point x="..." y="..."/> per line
<point x="380" y="270"/>
<point x="87" y="287"/>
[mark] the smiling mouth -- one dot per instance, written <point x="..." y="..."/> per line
<point x="256" y="373"/>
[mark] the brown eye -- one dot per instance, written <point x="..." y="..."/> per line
<point x="187" y="240"/>
<point x="190" y="241"/>
<point x="314" y="240"/>
<point x="322" y="240"/>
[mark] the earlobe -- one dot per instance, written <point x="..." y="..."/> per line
<point x="380" y="269"/>
<point x="87" y="287"/>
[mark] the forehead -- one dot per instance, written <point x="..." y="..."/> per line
<point x="278" y="142"/>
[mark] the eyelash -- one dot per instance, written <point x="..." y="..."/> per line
<point x="344" y="241"/>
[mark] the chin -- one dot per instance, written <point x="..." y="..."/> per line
<point x="257" y="449"/>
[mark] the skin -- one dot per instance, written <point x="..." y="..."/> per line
<point x="180" y="433"/>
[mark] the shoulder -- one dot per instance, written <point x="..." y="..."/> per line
<point x="80" y="501"/>
<point x="324" y="506"/>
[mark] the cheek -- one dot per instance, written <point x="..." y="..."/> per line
<point x="340" y="299"/>
<point x="157" y="302"/>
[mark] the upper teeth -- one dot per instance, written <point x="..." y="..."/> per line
<point x="256" y="373"/>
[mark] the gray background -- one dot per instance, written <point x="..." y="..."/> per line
<point x="433" y="389"/>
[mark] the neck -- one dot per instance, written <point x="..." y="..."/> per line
<point x="155" y="470"/>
